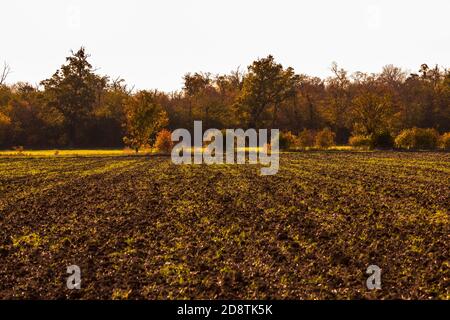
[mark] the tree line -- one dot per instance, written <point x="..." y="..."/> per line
<point x="77" y="107"/>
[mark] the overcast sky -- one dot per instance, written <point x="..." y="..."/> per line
<point x="151" y="44"/>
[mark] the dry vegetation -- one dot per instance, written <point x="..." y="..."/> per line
<point x="140" y="227"/>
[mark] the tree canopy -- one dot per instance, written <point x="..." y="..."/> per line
<point x="77" y="107"/>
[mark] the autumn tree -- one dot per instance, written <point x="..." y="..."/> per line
<point x="5" y="123"/>
<point x="308" y="111"/>
<point x="338" y="102"/>
<point x="108" y="116"/>
<point x="194" y="86"/>
<point x="74" y="90"/>
<point x="266" y="87"/>
<point x="228" y="87"/>
<point x="371" y="108"/>
<point x="145" y="117"/>
<point x="210" y="98"/>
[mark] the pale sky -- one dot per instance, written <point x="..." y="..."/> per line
<point x="152" y="44"/>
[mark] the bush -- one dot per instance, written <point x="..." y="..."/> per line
<point x="325" y="138"/>
<point x="164" y="141"/>
<point x="405" y="139"/>
<point x="382" y="139"/>
<point x="306" y="139"/>
<point x="360" y="141"/>
<point x="427" y="139"/>
<point x="417" y="138"/>
<point x="445" y="141"/>
<point x="288" y="140"/>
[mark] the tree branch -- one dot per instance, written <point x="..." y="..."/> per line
<point x="4" y="73"/>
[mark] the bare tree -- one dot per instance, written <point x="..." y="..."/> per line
<point x="4" y="73"/>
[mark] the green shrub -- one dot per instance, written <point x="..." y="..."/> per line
<point x="325" y="138"/>
<point x="360" y="141"/>
<point x="417" y="138"/>
<point x="445" y="141"/>
<point x="288" y="140"/>
<point x="306" y="139"/>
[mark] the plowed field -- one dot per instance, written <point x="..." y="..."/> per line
<point x="143" y="228"/>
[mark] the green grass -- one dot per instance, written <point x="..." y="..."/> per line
<point x="106" y="152"/>
<point x="69" y="153"/>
